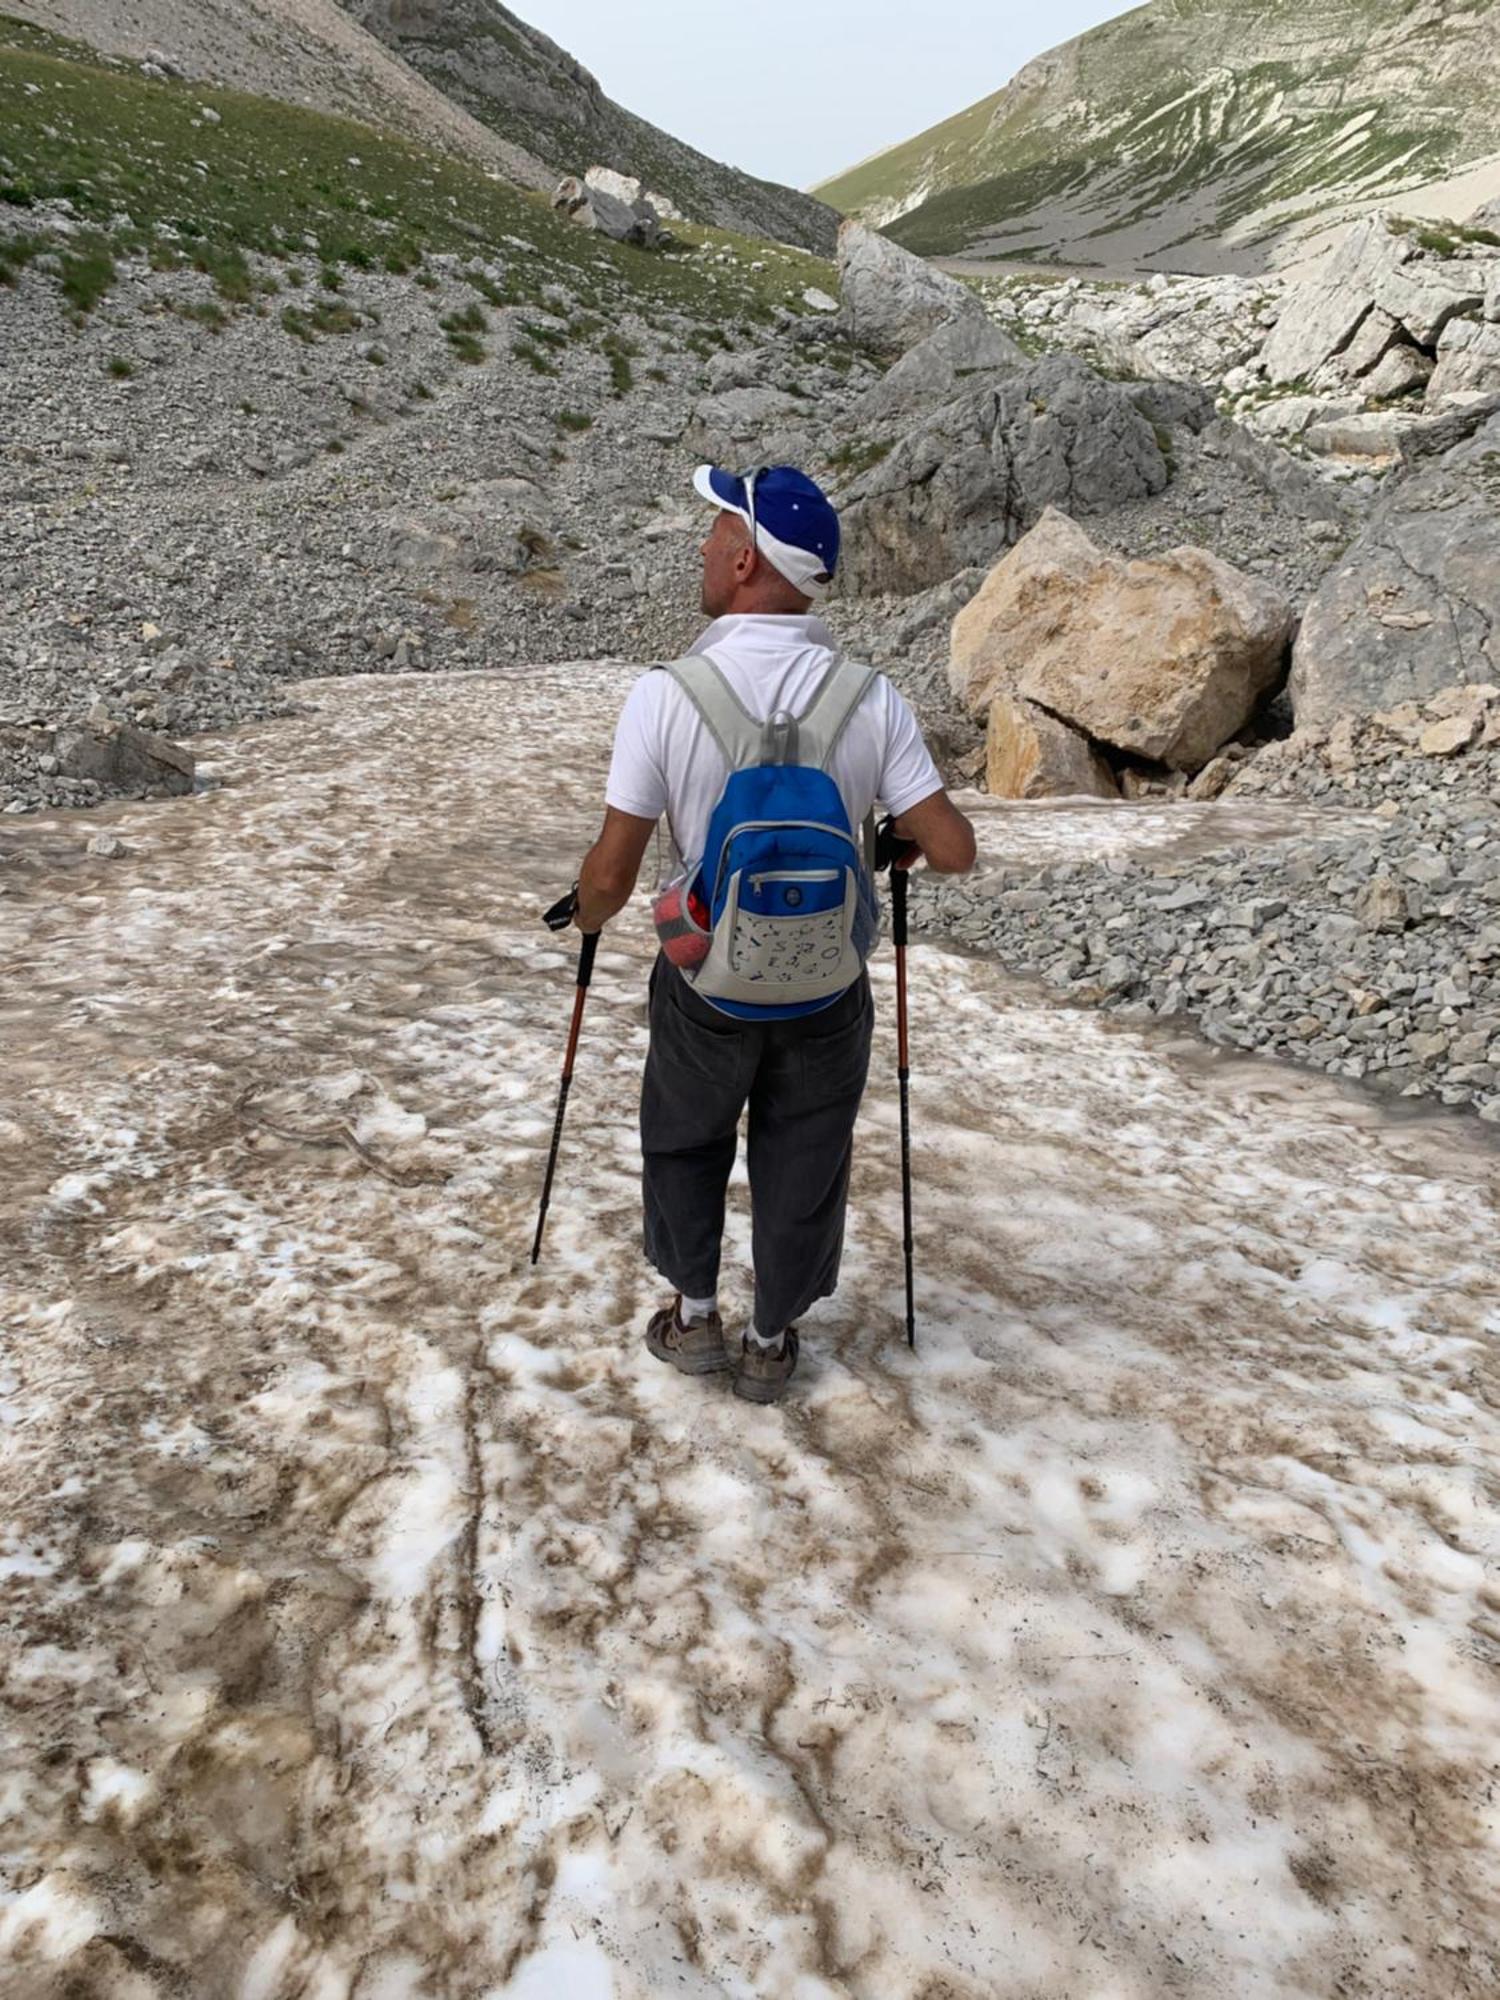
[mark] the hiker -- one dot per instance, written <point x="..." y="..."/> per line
<point x="770" y="1006"/>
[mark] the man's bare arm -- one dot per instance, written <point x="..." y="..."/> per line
<point x="608" y="876"/>
<point x="944" y="834"/>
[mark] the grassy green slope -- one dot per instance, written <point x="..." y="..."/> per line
<point x="1222" y="107"/>
<point x="98" y="163"/>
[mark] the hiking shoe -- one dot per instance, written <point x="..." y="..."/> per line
<point x="692" y="1350"/>
<point x="761" y="1374"/>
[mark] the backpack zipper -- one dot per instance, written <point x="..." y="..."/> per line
<point x="795" y="875"/>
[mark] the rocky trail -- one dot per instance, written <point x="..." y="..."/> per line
<point x="380" y="1622"/>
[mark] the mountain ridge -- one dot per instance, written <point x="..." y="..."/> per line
<point x="466" y="76"/>
<point x="503" y="71"/>
<point x="1198" y="135"/>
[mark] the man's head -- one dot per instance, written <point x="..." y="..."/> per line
<point x="774" y="546"/>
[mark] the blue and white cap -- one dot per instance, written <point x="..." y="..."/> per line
<point x="790" y="518"/>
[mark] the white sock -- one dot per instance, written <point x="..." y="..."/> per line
<point x="768" y="1343"/>
<point x="693" y="1310"/>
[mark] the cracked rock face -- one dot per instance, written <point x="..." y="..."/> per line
<point x="1164" y="660"/>
<point x="973" y="476"/>
<point x="1415" y="605"/>
<point x="1029" y="754"/>
<point x="943" y="365"/>
<point x="1382" y="291"/>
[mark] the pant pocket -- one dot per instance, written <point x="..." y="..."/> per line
<point x="702" y="1048"/>
<point x="836" y="1066"/>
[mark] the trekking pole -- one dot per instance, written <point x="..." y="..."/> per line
<point x="890" y="851"/>
<point x="558" y="918"/>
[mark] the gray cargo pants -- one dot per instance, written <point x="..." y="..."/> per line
<point x="803" y="1081"/>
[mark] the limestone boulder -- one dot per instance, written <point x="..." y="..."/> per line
<point x="968" y="479"/>
<point x="892" y="299"/>
<point x="1054" y="563"/>
<point x="1414" y="606"/>
<point x="124" y="759"/>
<point x="493" y="524"/>
<point x="626" y="188"/>
<point x="1029" y="754"/>
<point x="1380" y="286"/>
<point x="1165" y="659"/>
<point x="1468" y="362"/>
<point x="1373" y="436"/>
<point x="593" y="208"/>
<point x="947" y="363"/>
<point x="1399" y="370"/>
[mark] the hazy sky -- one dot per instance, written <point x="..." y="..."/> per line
<point x="796" y="90"/>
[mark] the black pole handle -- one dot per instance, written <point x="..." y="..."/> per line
<point x="890" y="848"/>
<point x="586" y="958"/>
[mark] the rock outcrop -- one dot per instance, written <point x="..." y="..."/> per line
<point x="593" y="208"/>
<point x="971" y="477"/>
<point x="959" y="358"/>
<point x="1468" y="361"/>
<point x="1381" y="312"/>
<point x="123" y="760"/>
<point x="892" y="300"/>
<point x="1163" y="660"/>
<point x="627" y="188"/>
<point x="1029" y="754"/>
<point x="1414" y="607"/>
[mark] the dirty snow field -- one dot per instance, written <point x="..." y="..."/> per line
<point x="379" y="1621"/>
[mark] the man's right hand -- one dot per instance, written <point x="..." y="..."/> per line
<point x="892" y="851"/>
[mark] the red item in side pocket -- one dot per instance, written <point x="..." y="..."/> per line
<point x="682" y="919"/>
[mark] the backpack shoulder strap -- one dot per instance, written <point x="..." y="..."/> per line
<point x="821" y="726"/>
<point x="728" y="721"/>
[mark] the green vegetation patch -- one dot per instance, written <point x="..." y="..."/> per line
<point x="147" y="174"/>
<point x="862" y="455"/>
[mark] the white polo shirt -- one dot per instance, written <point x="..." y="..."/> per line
<point x="666" y="762"/>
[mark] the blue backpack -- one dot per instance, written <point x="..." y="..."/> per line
<point x="780" y="915"/>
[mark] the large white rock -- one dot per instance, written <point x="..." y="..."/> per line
<point x="626" y="188"/>
<point x="594" y="208"/>
<point x="892" y="299"/>
<point x="1468" y="361"/>
<point x="1372" y="341"/>
<point x="1377" y="269"/>
<point x="970" y="476"/>
<point x="1402" y="368"/>
<point x="1165" y="659"/>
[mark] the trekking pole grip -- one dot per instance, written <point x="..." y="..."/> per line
<point x="586" y="958"/>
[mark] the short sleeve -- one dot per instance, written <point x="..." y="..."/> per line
<point x="908" y="774"/>
<point x="637" y="772"/>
